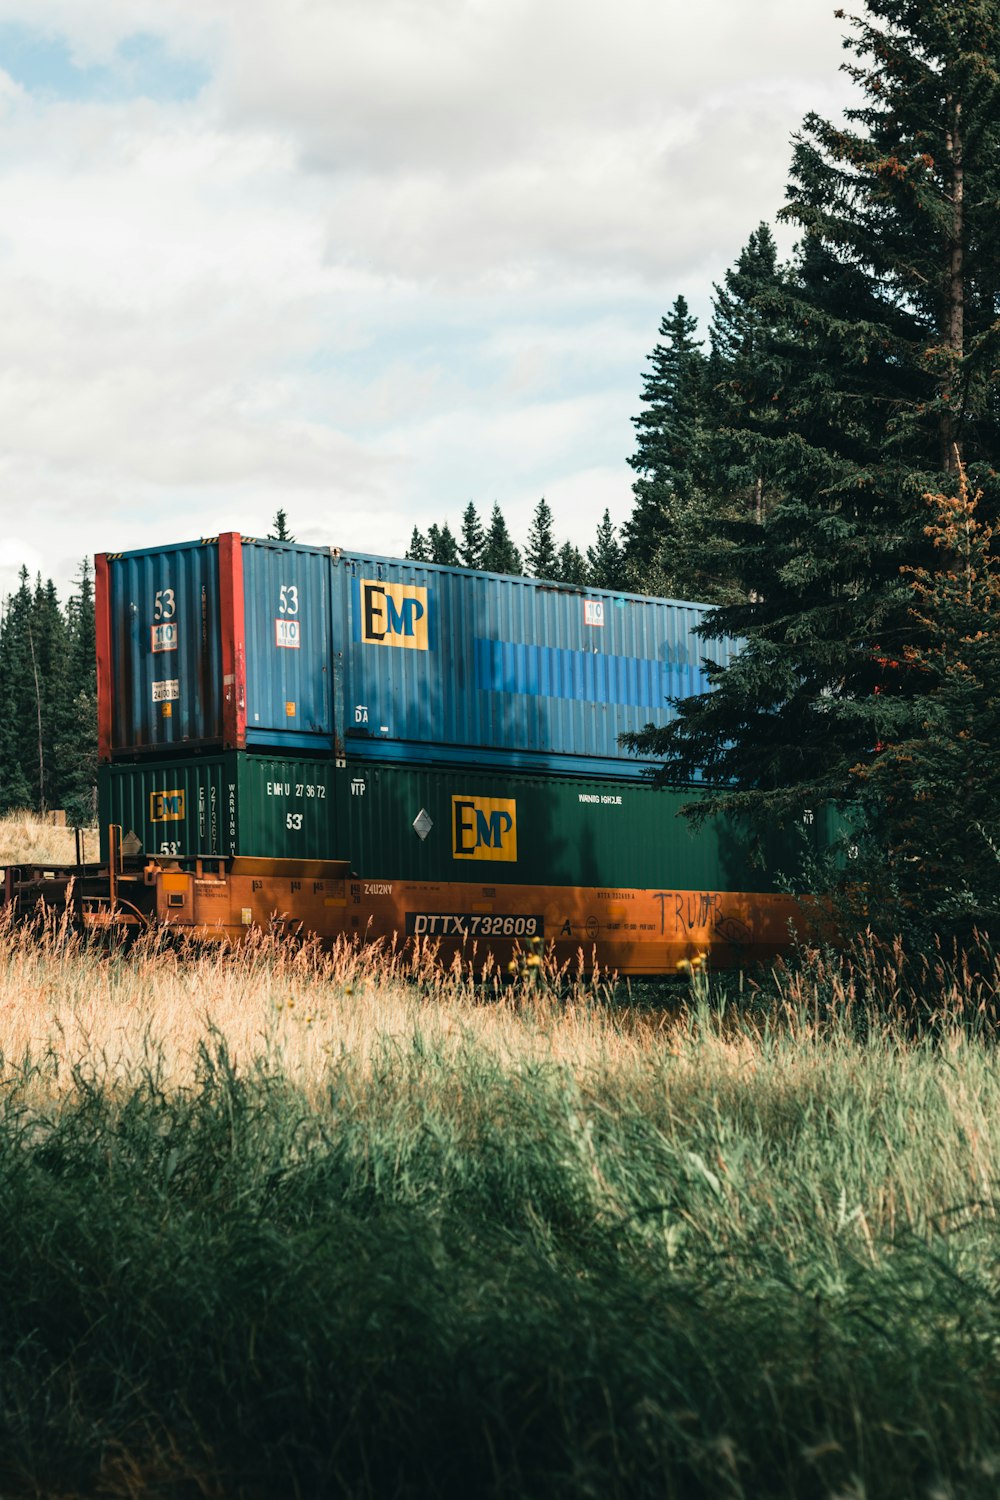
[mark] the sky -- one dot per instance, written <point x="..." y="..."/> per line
<point x="363" y="260"/>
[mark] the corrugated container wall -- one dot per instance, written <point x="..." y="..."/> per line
<point x="447" y="664"/>
<point x="160" y="648"/>
<point x="289" y="653"/>
<point x="462" y="824"/>
<point x="223" y="643"/>
<point x="238" y="803"/>
<point x="232" y="643"/>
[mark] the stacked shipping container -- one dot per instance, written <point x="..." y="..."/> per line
<point x="225" y="661"/>
<point x="422" y="724"/>
<point x="235" y="644"/>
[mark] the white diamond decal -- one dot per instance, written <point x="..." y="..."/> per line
<point x="422" y="823"/>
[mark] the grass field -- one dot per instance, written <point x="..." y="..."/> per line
<point x="285" y="1223"/>
<point x="27" y="840"/>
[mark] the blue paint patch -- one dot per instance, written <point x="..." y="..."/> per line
<point x="555" y="672"/>
<point x="142" y="67"/>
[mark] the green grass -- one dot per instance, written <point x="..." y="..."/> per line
<point x="548" y="1252"/>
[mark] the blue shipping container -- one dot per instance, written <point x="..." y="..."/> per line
<point x="222" y="643"/>
<point x="233" y="643"/>
<point x="449" y="664"/>
<point x="289" y="655"/>
<point x="160" y="652"/>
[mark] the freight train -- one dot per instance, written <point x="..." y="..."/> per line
<point x="342" y="744"/>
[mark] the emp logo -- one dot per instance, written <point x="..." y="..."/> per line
<point x="166" y="807"/>
<point x="393" y="614"/>
<point x="484" y="828"/>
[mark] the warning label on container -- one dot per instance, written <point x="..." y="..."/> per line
<point x="593" y="611"/>
<point x="164" y="636"/>
<point x="164" y="692"/>
<point x="288" y="633"/>
<point x="472" y="924"/>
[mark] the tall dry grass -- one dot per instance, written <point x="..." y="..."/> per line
<point x="27" y="839"/>
<point x="282" y="1221"/>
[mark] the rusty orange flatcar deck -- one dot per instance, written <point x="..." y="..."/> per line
<point x="631" y="931"/>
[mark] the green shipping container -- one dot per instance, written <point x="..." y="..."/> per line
<point x="416" y="823"/>
<point x="271" y="807"/>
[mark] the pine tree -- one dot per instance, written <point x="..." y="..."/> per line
<point x="605" y="559"/>
<point x="571" y="566"/>
<point x="473" y="538"/>
<point x="931" y="789"/>
<point x="670" y="434"/>
<point x="540" y="553"/>
<point x="76" y="750"/>
<point x="442" y="546"/>
<point x="418" y="550"/>
<point x="741" y="475"/>
<point x="499" y="553"/>
<point x="50" y="662"/>
<point x="280" y="533"/>
<point x="15" y="698"/>
<point x="18" y="719"/>
<point x="874" y="377"/>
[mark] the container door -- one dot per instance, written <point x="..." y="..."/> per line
<point x="180" y="809"/>
<point x="165" y="691"/>
<point x="286" y="600"/>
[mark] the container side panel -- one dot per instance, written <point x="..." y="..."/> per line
<point x="287" y="807"/>
<point x="272" y="807"/>
<point x="461" y="659"/>
<point x="289" y="672"/>
<point x="166" y="687"/>
<point x="175" y="809"/>
<point x="427" y="823"/>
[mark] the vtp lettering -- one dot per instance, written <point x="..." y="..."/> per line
<point x="393" y="614"/>
<point x="484" y="828"/>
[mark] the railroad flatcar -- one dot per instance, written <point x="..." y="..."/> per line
<point x="474" y="859"/>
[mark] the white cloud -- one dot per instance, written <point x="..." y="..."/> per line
<point x="394" y="255"/>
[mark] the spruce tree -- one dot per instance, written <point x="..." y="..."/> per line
<point x="571" y="567"/>
<point x="930" y="791"/>
<point x="17" y="696"/>
<point x="741" y="335"/>
<point x="670" y="433"/>
<point x="76" y="750"/>
<point x="442" y="546"/>
<point x="872" y="379"/>
<point x="541" y="553"/>
<point x="53" y="686"/>
<point x="418" y="550"/>
<point x="473" y="538"/>
<point x="499" y="553"/>
<point x="280" y="532"/>
<point x="605" y="561"/>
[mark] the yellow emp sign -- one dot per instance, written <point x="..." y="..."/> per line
<point x="393" y="614"/>
<point x="484" y="828"/>
<point x="166" y="807"/>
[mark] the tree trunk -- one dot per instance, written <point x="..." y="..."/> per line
<point x="954" y="308"/>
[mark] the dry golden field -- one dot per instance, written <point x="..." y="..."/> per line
<point x="280" y="1221"/>
<point x="26" y="839"/>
